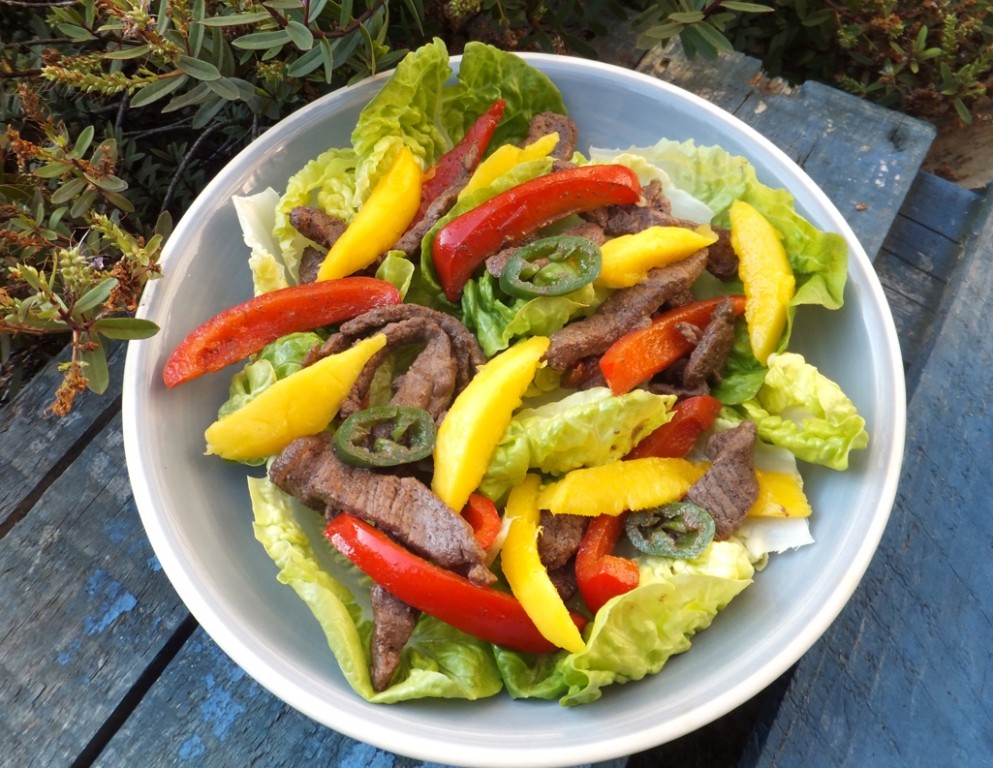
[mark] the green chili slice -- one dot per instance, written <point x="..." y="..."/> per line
<point x="681" y="529"/>
<point x="385" y="436"/>
<point x="552" y="266"/>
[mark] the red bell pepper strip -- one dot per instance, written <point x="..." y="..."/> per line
<point x="674" y="439"/>
<point x="461" y="159"/>
<point x="246" y="328"/>
<point x="599" y="574"/>
<point x="466" y="241"/>
<point x="640" y="354"/>
<point x="481" y="513"/>
<point x="484" y="612"/>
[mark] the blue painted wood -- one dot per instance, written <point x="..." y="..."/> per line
<point x="85" y="608"/>
<point x="902" y="678"/>
<point x="206" y="711"/>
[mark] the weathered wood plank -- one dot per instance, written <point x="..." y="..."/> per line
<point x="864" y="158"/>
<point x="902" y="677"/>
<point x="86" y="609"/>
<point x="35" y="444"/>
<point x="206" y="711"/>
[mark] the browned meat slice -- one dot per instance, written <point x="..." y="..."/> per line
<point x="585" y="373"/>
<point x="625" y="310"/>
<point x="722" y="261"/>
<point x="551" y="122"/>
<point x="559" y="538"/>
<point x="316" y="225"/>
<point x="410" y="241"/>
<point x="310" y="264"/>
<point x="392" y="624"/>
<point x="712" y="347"/>
<point x="401" y="506"/>
<point x="729" y="487"/>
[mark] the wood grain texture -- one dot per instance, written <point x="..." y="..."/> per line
<point x="864" y="158"/>
<point x="86" y="609"/>
<point x="903" y="677"/>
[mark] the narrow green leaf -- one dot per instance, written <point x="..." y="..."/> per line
<point x="301" y="36"/>
<point x="197" y="68"/>
<point x="196" y="95"/>
<point x="197" y="30"/>
<point x="714" y="38"/>
<point x="125" y="328"/>
<point x="687" y="18"/>
<point x="83" y="202"/>
<point x="734" y="5"/>
<point x="83" y="141"/>
<point x="962" y="111"/>
<point x="119" y="201"/>
<point x="158" y="89"/>
<point x="95" y="367"/>
<point x="345" y="13"/>
<point x="52" y="170"/>
<point x="316" y="6"/>
<point x="107" y="183"/>
<point x="75" y="32"/>
<point x="260" y="41"/>
<point x="207" y="112"/>
<point x="225" y="88"/>
<point x="307" y="63"/>
<point x="235" y="19"/>
<point x="327" y="57"/>
<point x="69" y="190"/>
<point x="130" y="52"/>
<point x="94" y="297"/>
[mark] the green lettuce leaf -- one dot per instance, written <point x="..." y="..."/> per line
<point x="257" y="218"/>
<point x="584" y="429"/>
<point x="438" y="661"/>
<point x="802" y="410"/>
<point x="635" y="634"/>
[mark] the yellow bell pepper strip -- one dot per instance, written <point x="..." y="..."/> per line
<point x="301" y="404"/>
<point x="766" y="276"/>
<point x="479" y="416"/>
<point x="526" y="574"/>
<point x="610" y="489"/>
<point x="506" y="157"/>
<point x="483" y="612"/>
<point x="780" y="495"/>
<point x="628" y="258"/>
<point x="380" y="222"/>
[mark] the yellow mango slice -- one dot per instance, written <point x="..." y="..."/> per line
<point x="301" y="404"/>
<point x="610" y="489"/>
<point x="479" y="416"/>
<point x="766" y="275"/>
<point x="506" y="157"/>
<point x="780" y="495"/>
<point x="628" y="258"/>
<point x="385" y="215"/>
<point x="527" y="576"/>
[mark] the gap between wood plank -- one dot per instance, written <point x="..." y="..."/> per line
<point x="130" y="701"/>
<point x="24" y="506"/>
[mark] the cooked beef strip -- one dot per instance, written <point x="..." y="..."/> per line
<point x="410" y="241"/>
<point x="625" y="310"/>
<point x="310" y="264"/>
<point x="585" y="373"/>
<point x="548" y="122"/>
<point x="729" y="487"/>
<point x="316" y="225"/>
<point x="712" y="347"/>
<point x="564" y="580"/>
<point x="722" y="261"/>
<point x="392" y="625"/>
<point x="559" y="538"/>
<point x="403" y="507"/>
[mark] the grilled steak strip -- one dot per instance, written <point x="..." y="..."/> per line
<point x="316" y="225"/>
<point x="392" y="625"/>
<point x="625" y="310"/>
<point x="712" y="348"/>
<point x="544" y="123"/>
<point x="403" y="507"/>
<point x="729" y="487"/>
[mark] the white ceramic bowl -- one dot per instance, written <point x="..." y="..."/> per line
<point x="197" y="515"/>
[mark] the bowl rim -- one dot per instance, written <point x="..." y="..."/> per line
<point x="353" y="720"/>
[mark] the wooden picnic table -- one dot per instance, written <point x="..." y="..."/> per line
<point x="101" y="664"/>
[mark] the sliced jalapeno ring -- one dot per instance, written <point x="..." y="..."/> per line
<point x="385" y="436"/>
<point x="552" y="266"/>
<point x="681" y="529"/>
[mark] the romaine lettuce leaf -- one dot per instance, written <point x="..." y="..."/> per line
<point x="257" y="218"/>
<point x="636" y="633"/>
<point x="584" y="429"/>
<point x="802" y="410"/>
<point x="438" y="660"/>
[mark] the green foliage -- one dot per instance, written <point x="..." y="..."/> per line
<point x="700" y="24"/>
<point x="927" y="58"/>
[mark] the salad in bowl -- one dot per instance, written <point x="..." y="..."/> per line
<point x="539" y="398"/>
